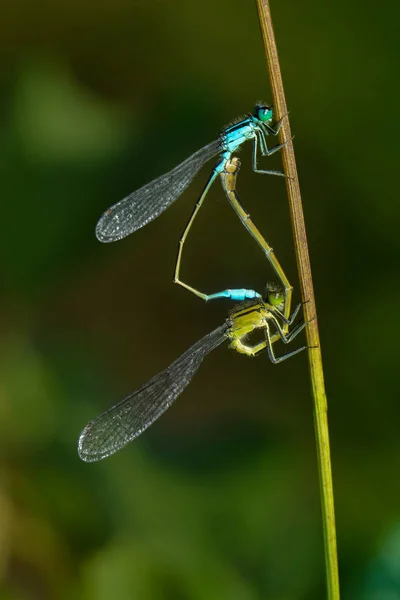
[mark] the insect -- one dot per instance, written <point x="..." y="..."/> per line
<point x="148" y="202"/>
<point x="125" y="421"/>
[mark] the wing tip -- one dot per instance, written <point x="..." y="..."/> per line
<point x="101" y="231"/>
<point x="108" y="231"/>
<point x="85" y="452"/>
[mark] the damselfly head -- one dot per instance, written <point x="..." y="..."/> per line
<point x="275" y="295"/>
<point x="263" y="112"/>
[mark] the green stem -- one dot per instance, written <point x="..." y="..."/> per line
<point x="307" y="291"/>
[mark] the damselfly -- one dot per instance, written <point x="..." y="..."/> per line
<point x="125" y="421"/>
<point x="148" y="202"/>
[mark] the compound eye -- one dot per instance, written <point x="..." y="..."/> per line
<point x="264" y="113"/>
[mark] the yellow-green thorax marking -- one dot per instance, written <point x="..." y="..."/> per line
<point x="258" y="315"/>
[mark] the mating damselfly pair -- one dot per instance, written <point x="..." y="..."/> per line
<point x="124" y="421"/>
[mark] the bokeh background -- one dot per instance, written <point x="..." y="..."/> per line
<point x="220" y="498"/>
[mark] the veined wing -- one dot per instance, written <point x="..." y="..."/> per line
<point x="124" y="421"/>
<point x="148" y="202"/>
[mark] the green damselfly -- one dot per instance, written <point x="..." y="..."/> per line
<point x="125" y="421"/>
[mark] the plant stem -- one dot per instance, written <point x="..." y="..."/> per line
<point x="307" y="291"/>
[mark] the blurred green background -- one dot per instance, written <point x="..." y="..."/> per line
<point x="220" y="498"/>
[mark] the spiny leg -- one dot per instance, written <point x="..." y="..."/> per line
<point x="289" y="321"/>
<point x="286" y="338"/>
<point x="294" y="333"/>
<point x="278" y="125"/>
<point x="254" y="350"/>
<point x="248" y="349"/>
<point x="271" y="353"/>
<point x="238" y="332"/>
<point x="293" y="316"/>
<point x="265" y="151"/>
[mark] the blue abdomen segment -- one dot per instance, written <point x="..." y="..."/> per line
<point x="237" y="295"/>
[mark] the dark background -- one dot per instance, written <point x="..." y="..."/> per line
<point x="220" y="498"/>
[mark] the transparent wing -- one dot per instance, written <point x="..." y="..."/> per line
<point x="124" y="421"/>
<point x="148" y="202"/>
